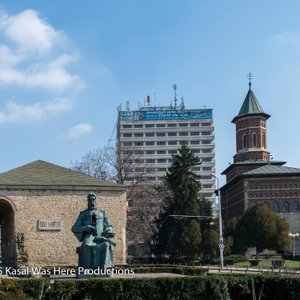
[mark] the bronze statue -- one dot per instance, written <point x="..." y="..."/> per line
<point x="94" y="230"/>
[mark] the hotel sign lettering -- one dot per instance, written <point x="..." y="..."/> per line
<point x="49" y="225"/>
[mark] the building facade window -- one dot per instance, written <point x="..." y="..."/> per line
<point x="138" y="135"/>
<point x="275" y="206"/>
<point x="161" y="143"/>
<point x="149" y="134"/>
<point x="172" y="133"/>
<point x="244" y="141"/>
<point x="296" y="206"/>
<point x="160" y="134"/>
<point x="206" y="133"/>
<point x="161" y="151"/>
<point x="286" y="207"/>
<point x="254" y="139"/>
<point x="127" y="134"/>
<point x="195" y="133"/>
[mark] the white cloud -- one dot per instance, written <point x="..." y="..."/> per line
<point x="51" y="75"/>
<point x="32" y="56"/>
<point x="15" y="112"/>
<point x="288" y="38"/>
<point x="29" y="31"/>
<point x="79" y="130"/>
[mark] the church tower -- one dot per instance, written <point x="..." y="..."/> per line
<point x="251" y="132"/>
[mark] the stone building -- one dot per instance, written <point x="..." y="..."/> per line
<point x="253" y="177"/>
<point x="39" y="203"/>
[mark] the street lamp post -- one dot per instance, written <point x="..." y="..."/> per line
<point x="221" y="240"/>
<point x="293" y="236"/>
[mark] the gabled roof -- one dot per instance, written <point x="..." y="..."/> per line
<point x="250" y="106"/>
<point x="41" y="174"/>
<point x="268" y="170"/>
<point x="257" y="162"/>
<point x="273" y="170"/>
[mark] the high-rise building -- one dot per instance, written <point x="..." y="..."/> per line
<point x="148" y="137"/>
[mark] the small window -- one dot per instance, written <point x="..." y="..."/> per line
<point x="296" y="207"/>
<point x="206" y="168"/>
<point x="150" y="152"/>
<point x="195" y="142"/>
<point x="183" y="143"/>
<point x="207" y="186"/>
<point x="196" y="169"/>
<point x="149" y="134"/>
<point x="161" y="143"/>
<point x="138" y="135"/>
<point x="161" y="151"/>
<point x="138" y="126"/>
<point x="127" y="126"/>
<point x="183" y="134"/>
<point x="149" y="143"/>
<point x="150" y="161"/>
<point x="138" y="143"/>
<point x="183" y="124"/>
<point x="206" y="133"/>
<point x="160" y="161"/>
<point x="194" y="133"/>
<point x="161" y="134"/>
<point x="286" y="207"/>
<point x="275" y="206"/>
<point x="172" y="143"/>
<point x="244" y="137"/>
<point x="254" y="139"/>
<point x="127" y="134"/>
<point x="206" y="151"/>
<point x="160" y="125"/>
<point x="208" y="142"/>
<point x="172" y="125"/>
<point x="127" y="144"/>
<point x="206" y="124"/>
<point x="196" y="150"/>
<point x="206" y="159"/>
<point x="149" y="125"/>
<point x="172" y="133"/>
<point x="194" y="124"/>
<point x="172" y="151"/>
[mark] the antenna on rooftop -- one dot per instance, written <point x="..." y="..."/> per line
<point x="250" y="76"/>
<point x="175" y="95"/>
<point x="182" y="106"/>
<point x="127" y="105"/>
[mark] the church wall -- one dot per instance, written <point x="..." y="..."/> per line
<point x="58" y="247"/>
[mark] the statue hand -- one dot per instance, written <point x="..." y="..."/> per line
<point x="89" y="229"/>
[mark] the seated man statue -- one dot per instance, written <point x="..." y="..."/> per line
<point x="94" y="230"/>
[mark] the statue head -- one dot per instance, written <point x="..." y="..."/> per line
<point x="91" y="198"/>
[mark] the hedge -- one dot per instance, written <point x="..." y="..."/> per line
<point x="214" y="287"/>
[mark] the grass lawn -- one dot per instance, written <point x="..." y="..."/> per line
<point x="266" y="263"/>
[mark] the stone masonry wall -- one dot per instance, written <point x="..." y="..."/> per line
<point x="58" y="248"/>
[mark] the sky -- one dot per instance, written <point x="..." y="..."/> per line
<point x="65" y="67"/>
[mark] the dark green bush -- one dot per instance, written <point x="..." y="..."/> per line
<point x="214" y="287"/>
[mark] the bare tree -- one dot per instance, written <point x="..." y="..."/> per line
<point x="94" y="163"/>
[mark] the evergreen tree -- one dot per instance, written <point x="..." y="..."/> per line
<point x="181" y="236"/>
<point x="261" y="228"/>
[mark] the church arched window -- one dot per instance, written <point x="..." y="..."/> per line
<point x="285" y="206"/>
<point x="275" y="206"/>
<point x="296" y="206"/>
